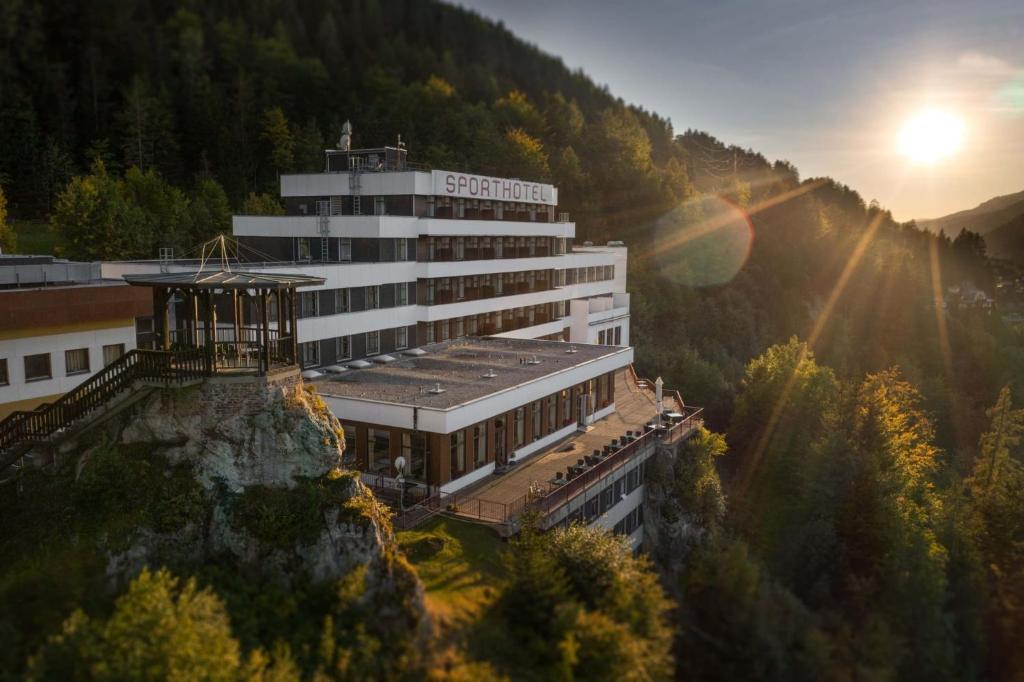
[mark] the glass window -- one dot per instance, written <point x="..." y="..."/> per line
<point x="378" y="445"/>
<point x="457" y="328"/>
<point x="402" y="249"/>
<point x="310" y="353"/>
<point x="342" y="300"/>
<point x="372" y="342"/>
<point x="402" y="294"/>
<point x="552" y="406"/>
<point x="444" y="333"/>
<point x="566" y="407"/>
<point x="5" y="378"/>
<point x="76" y="361"/>
<point x="304" y="249"/>
<point x="536" y="420"/>
<point x="401" y="338"/>
<point x="458" y="452"/>
<point x="349" y="433"/>
<point x="345" y="249"/>
<point x="372" y="297"/>
<point x="308" y="304"/>
<point x="343" y="347"/>
<point x="430" y="333"/>
<point x="460" y="248"/>
<point x="520" y="427"/>
<point x="480" y="445"/>
<point x="112" y="353"/>
<point x="37" y="367"/>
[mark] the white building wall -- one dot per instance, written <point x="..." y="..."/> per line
<point x="15" y="350"/>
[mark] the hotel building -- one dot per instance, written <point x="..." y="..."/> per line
<point x="60" y="323"/>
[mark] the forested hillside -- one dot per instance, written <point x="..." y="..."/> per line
<point x="137" y="125"/>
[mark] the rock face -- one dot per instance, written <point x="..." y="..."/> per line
<point x="241" y="431"/>
<point x="266" y="453"/>
<point x="671" y="532"/>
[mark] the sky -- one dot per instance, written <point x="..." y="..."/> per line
<point x="827" y="85"/>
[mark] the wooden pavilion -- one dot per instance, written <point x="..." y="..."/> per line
<point x="243" y="322"/>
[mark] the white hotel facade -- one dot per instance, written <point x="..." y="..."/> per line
<point x="412" y="257"/>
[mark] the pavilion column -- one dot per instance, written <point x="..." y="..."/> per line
<point x="293" y="327"/>
<point x="193" y="304"/>
<point x="264" y="330"/>
<point x="160" y="322"/>
<point x="236" y="315"/>
<point x="209" y="334"/>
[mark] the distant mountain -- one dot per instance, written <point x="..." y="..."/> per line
<point x="983" y="218"/>
<point x="1007" y="240"/>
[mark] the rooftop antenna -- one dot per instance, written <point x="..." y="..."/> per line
<point x="345" y="142"/>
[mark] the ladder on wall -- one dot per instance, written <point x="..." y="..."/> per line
<point x="324" y="228"/>
<point x="354" y="184"/>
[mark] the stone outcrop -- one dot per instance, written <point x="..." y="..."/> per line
<point x="241" y="431"/>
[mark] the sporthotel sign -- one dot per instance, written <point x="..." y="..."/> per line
<point x="466" y="186"/>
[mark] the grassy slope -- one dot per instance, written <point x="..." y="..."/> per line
<point x="462" y="570"/>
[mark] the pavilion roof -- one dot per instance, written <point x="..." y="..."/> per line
<point x="224" y="279"/>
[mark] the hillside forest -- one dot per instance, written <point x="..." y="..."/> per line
<point x="859" y="482"/>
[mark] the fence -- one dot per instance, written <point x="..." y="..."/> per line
<point x="38" y="425"/>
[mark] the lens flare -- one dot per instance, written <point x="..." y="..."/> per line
<point x="931" y="135"/>
<point x="703" y="242"/>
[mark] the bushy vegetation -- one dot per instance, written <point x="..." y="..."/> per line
<point x="579" y="605"/>
<point x="854" y="546"/>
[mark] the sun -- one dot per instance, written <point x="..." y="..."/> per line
<point x="931" y="135"/>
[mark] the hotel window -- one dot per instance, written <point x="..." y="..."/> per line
<point x="349" y="434"/>
<point x="460" y="288"/>
<point x="618" y="336"/>
<point x="112" y="353"/>
<point x="471" y="325"/>
<point x="379" y="207"/>
<point x="343" y="347"/>
<point x="304" y="249"/>
<point x="402" y="249"/>
<point x="460" y="208"/>
<point x="342" y="300"/>
<point x="479" y="445"/>
<point x="76" y="361"/>
<point x="430" y="333"/>
<point x="431" y="291"/>
<point x="308" y="304"/>
<point x="520" y="427"/>
<point x="372" y="297"/>
<point x="444" y="333"/>
<point x="498" y="242"/>
<point x="536" y="420"/>
<point x="566" y="407"/>
<point x="5" y="378"/>
<point x="460" y="248"/>
<point x="458" y="445"/>
<point x="552" y="406"/>
<point x="457" y="328"/>
<point x="531" y="246"/>
<point x="345" y="249"/>
<point x="430" y="207"/>
<point x="310" y="353"/>
<point x="372" y="342"/>
<point x="37" y="367"/>
<point x="378" y="445"/>
<point x="401" y="338"/>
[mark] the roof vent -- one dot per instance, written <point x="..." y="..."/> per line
<point x="435" y="390"/>
<point x="489" y="374"/>
<point x="533" y="360"/>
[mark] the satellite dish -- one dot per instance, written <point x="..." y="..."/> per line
<point x="400" y="465"/>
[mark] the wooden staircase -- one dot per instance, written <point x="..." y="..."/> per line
<point x="21" y="430"/>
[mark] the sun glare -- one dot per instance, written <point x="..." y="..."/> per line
<point x="931" y="135"/>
